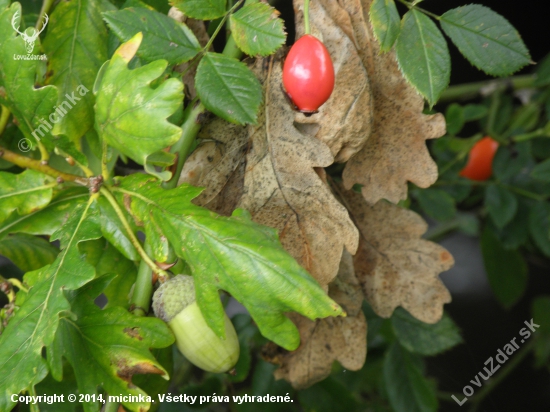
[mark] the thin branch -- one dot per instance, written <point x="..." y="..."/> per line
<point x="28" y="163"/>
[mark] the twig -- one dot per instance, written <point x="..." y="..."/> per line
<point x="28" y="163"/>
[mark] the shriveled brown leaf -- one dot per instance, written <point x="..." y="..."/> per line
<point x="344" y="121"/>
<point x="396" y="151"/>
<point x="327" y="340"/>
<point x="394" y="265"/>
<point x="283" y="190"/>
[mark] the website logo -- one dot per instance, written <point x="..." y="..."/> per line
<point x="30" y="35"/>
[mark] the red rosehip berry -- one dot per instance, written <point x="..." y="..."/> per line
<point x="480" y="160"/>
<point x="308" y="74"/>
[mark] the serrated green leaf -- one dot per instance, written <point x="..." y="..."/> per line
<point x="539" y="226"/>
<point x="455" y="119"/>
<point x="408" y="390"/>
<point x="543" y="72"/>
<point x="516" y="233"/>
<point x="542" y="171"/>
<point x="109" y="346"/>
<point x="28" y="252"/>
<point x="511" y="161"/>
<point x="47" y="220"/>
<point x="76" y="46"/>
<point x="501" y="204"/>
<point x="163" y="37"/>
<point x="233" y="254"/>
<point x="475" y="112"/>
<point x="228" y="88"/>
<point x="423" y="55"/>
<point x="130" y="115"/>
<point x="201" y="9"/>
<point x="436" y="203"/>
<point x="107" y="260"/>
<point x="423" y="338"/>
<point x="257" y="30"/>
<point x="23" y="193"/>
<point x="30" y="104"/>
<point x="506" y="269"/>
<point x="486" y="39"/>
<point x="385" y="21"/>
<point x="35" y="323"/>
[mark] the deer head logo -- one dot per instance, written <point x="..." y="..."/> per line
<point x="32" y="35"/>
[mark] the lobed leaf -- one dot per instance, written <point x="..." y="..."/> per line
<point x="163" y="37"/>
<point x="76" y="46"/>
<point x="130" y="115"/>
<point x="423" y="55"/>
<point x="385" y="21"/>
<point x="233" y="254"/>
<point x="23" y="193"/>
<point x="201" y="9"/>
<point x="28" y="252"/>
<point x="257" y="30"/>
<point x="108" y="346"/>
<point x="486" y="39"/>
<point x="35" y="323"/>
<point x="228" y="88"/>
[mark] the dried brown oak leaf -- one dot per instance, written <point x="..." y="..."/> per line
<point x="325" y="340"/>
<point x="282" y="189"/>
<point x="344" y="122"/>
<point x="394" y="265"/>
<point x="396" y="151"/>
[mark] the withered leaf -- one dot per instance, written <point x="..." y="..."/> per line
<point x="283" y="190"/>
<point x="344" y="122"/>
<point x="394" y="265"/>
<point x="330" y="339"/>
<point x="396" y="151"/>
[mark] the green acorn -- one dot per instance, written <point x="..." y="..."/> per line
<point x="174" y="302"/>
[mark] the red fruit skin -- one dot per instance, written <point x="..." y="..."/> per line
<point x="308" y="74"/>
<point x="480" y="160"/>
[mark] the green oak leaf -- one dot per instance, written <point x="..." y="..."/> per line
<point x="31" y="105"/>
<point x="233" y="254"/>
<point x="201" y="9"/>
<point x="28" y="252"/>
<point x="486" y="39"/>
<point x="24" y="193"/>
<point x="257" y="30"/>
<point x="385" y="20"/>
<point x="228" y="88"/>
<point x="163" y="37"/>
<point x="130" y="115"/>
<point x="36" y="321"/>
<point x="423" y="55"/>
<point x="108" y="260"/>
<point x="47" y="220"/>
<point x="108" y="346"/>
<point x="408" y="389"/>
<point x="76" y="46"/>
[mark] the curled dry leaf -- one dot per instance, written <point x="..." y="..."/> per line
<point x="281" y="186"/>
<point x="344" y="121"/>
<point x="327" y="340"/>
<point x="396" y="151"/>
<point x="394" y="265"/>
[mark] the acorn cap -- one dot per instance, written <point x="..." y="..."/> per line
<point x="173" y="296"/>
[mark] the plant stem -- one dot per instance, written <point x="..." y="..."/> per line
<point x="4" y="117"/>
<point x="506" y="370"/>
<point x="470" y="90"/>
<point x="192" y="124"/>
<point x="110" y="407"/>
<point x="413" y="5"/>
<point x="28" y="163"/>
<point x="135" y="241"/>
<point x="46" y="5"/>
<point x="307" y="28"/>
<point x="143" y="288"/>
<point x="220" y="26"/>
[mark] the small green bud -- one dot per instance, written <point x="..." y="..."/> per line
<point x="174" y="302"/>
